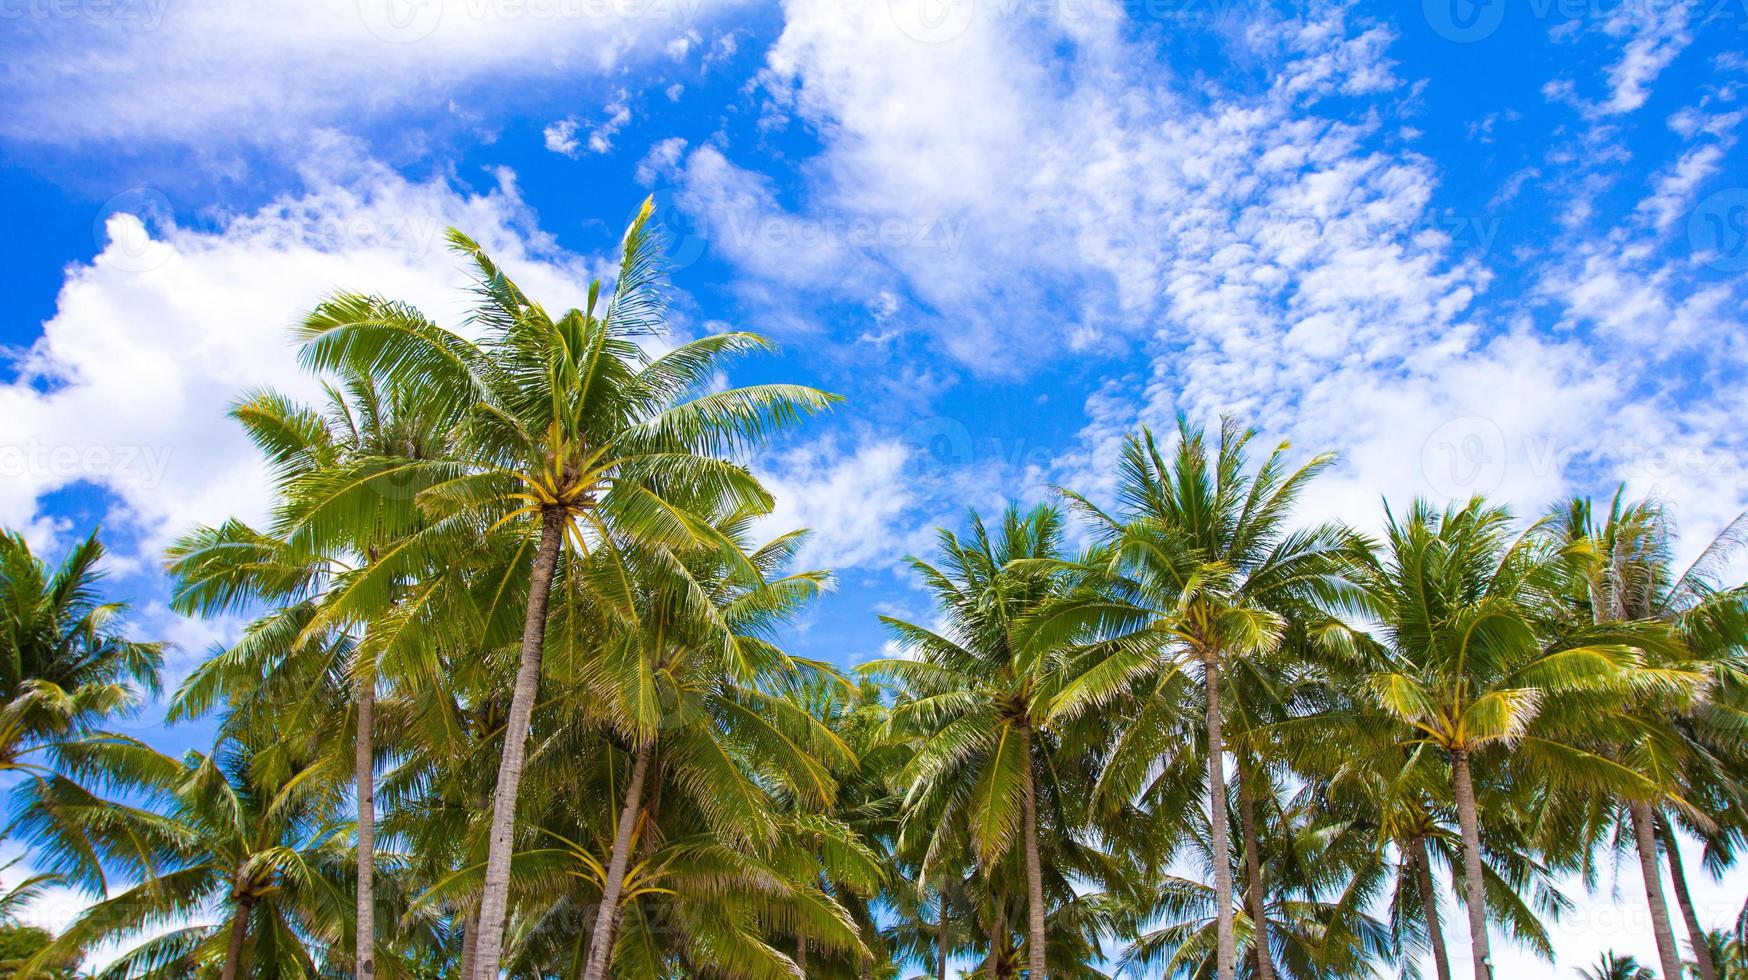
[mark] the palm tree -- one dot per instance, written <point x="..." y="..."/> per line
<point x="980" y="694"/>
<point x="1614" y="967"/>
<point x="569" y="433"/>
<point x="1325" y="879"/>
<point x="214" y="833"/>
<point x="687" y="670"/>
<point x="1197" y="567"/>
<point x="1622" y="576"/>
<point x="232" y="567"/>
<point x="66" y="663"/>
<point x="1457" y="600"/>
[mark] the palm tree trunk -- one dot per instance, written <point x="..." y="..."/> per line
<point x="364" y="760"/>
<point x="1034" y="873"/>
<point x="1645" y="836"/>
<point x="1474" y="886"/>
<point x="1435" y="934"/>
<point x="469" y="943"/>
<point x="941" y="939"/>
<point x="494" y="898"/>
<point x="1227" y="956"/>
<point x="601" y="952"/>
<point x="998" y="938"/>
<point x="239" y="932"/>
<point x="1265" y="966"/>
<point x="1696" y="937"/>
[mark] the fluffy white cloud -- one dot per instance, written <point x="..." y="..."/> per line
<point x="202" y="70"/>
<point x="151" y="342"/>
<point x="853" y="502"/>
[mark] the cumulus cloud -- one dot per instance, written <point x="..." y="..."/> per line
<point x="127" y="388"/>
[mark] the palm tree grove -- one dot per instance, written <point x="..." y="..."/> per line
<point x="510" y="697"/>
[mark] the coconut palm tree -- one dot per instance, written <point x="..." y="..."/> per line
<point x="570" y="434"/>
<point x="687" y="670"/>
<point x="980" y="694"/>
<point x="291" y="569"/>
<point x="1198" y="566"/>
<point x="1325" y="878"/>
<point x="214" y="833"/>
<point x="1626" y="573"/>
<point x="66" y="662"/>
<point x="1457" y="599"/>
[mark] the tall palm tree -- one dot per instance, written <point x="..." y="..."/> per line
<point x="980" y="694"/>
<point x="570" y="434"/>
<point x="66" y="662"/>
<point x="690" y="668"/>
<point x="1626" y="573"/>
<point x="1198" y="565"/>
<point x="1457" y="600"/>
<point x="232" y="567"/>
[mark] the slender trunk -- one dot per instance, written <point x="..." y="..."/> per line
<point x="801" y="953"/>
<point x="1645" y="836"/>
<point x="601" y="951"/>
<point x="1034" y="873"/>
<point x="364" y="760"/>
<point x="1435" y="933"/>
<point x="1265" y="966"/>
<point x="494" y="898"/>
<point x="469" y="943"/>
<point x="1696" y="937"/>
<point x="941" y="939"/>
<point x="1474" y="886"/>
<point x="239" y="932"/>
<point x="998" y="938"/>
<point x="1227" y="957"/>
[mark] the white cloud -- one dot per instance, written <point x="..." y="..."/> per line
<point x="855" y="502"/>
<point x="154" y="339"/>
<point x="561" y="137"/>
<point x="201" y="71"/>
<point x="1656" y="33"/>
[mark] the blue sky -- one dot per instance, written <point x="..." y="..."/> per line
<point x="1473" y="246"/>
